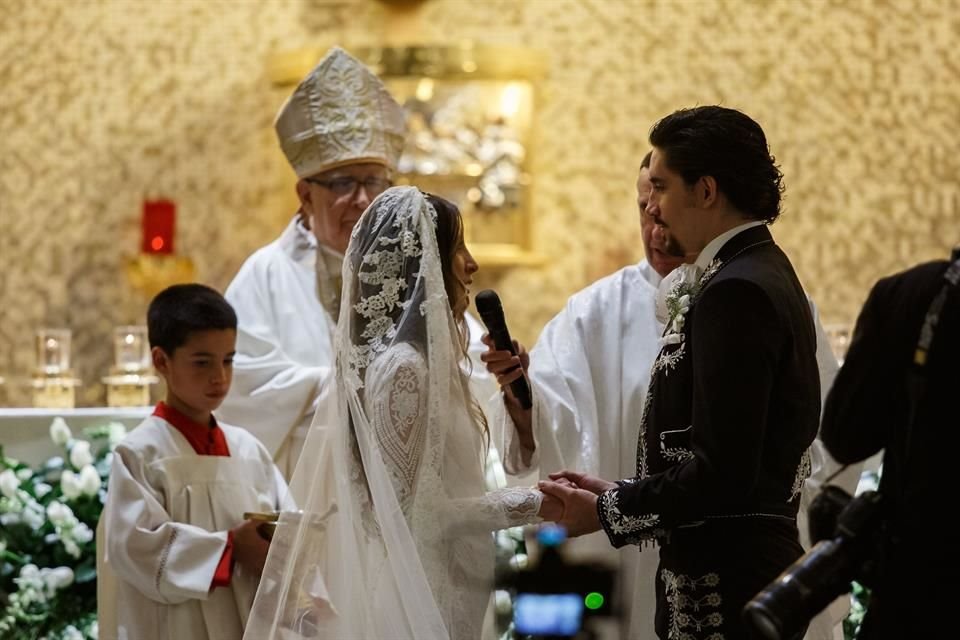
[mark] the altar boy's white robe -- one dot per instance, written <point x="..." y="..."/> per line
<point x="590" y="370"/>
<point x="165" y="525"/>
<point x="284" y="364"/>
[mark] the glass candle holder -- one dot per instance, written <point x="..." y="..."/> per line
<point x="53" y="352"/>
<point x="131" y="350"/>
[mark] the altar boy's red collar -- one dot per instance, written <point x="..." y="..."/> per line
<point x="206" y="440"/>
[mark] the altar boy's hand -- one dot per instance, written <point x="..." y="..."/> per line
<point x="249" y="547"/>
<point x="592" y="484"/>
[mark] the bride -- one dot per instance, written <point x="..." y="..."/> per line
<point x="394" y="538"/>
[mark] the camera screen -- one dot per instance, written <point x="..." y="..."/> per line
<point x="551" y="614"/>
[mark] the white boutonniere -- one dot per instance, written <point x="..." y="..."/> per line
<point x="674" y="298"/>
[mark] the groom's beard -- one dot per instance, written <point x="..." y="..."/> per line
<point x="672" y="246"/>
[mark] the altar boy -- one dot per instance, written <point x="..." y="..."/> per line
<point x="173" y="525"/>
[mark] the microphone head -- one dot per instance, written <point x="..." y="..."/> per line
<point x="487" y="301"/>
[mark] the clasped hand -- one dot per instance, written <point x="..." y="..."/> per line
<point x="570" y="500"/>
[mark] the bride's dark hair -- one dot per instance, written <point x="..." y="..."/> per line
<point x="449" y="236"/>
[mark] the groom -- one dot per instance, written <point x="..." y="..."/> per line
<point x="734" y="398"/>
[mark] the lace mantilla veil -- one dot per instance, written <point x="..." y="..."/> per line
<point x="394" y="535"/>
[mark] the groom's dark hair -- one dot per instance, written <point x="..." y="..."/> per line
<point x="729" y="146"/>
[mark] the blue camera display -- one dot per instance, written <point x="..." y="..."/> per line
<point x="548" y="614"/>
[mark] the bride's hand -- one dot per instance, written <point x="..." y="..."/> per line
<point x="551" y="509"/>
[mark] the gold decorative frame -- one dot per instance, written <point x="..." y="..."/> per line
<point x="458" y="63"/>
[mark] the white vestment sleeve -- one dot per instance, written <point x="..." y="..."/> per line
<point x="825" y="625"/>
<point x="271" y="393"/>
<point x="168" y="562"/>
<point x="565" y="396"/>
<point x="822" y="464"/>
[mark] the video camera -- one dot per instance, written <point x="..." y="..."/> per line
<point x="849" y="534"/>
<point x="557" y="599"/>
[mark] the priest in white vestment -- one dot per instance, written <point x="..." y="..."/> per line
<point x="589" y="371"/>
<point x="342" y="133"/>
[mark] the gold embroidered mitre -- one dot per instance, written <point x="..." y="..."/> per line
<point x="341" y="113"/>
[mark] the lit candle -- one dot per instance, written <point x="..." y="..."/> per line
<point x="159" y="221"/>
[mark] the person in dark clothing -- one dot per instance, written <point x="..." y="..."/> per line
<point x="896" y="392"/>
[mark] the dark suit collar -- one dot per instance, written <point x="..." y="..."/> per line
<point x="744" y="241"/>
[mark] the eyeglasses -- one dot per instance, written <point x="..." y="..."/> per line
<point x="347" y="185"/>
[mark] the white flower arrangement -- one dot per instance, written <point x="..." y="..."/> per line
<point x="47" y="555"/>
<point x="682" y="286"/>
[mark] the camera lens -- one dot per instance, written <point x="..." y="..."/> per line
<point x="783" y="609"/>
<point x="758" y="619"/>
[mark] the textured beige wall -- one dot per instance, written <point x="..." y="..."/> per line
<point x="105" y="102"/>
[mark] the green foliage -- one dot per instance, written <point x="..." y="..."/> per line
<point x="48" y="574"/>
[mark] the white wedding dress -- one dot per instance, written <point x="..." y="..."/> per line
<point x="394" y="538"/>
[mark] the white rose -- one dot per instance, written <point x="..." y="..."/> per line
<point x="80" y="455"/>
<point x="71" y="633"/>
<point x="519" y="561"/>
<point x="89" y="480"/>
<point x="677" y="325"/>
<point x="70" y="484"/>
<point x="24" y="474"/>
<point x="42" y="489"/>
<point x="33" y="517"/>
<point x="55" y="579"/>
<point x="59" y="513"/>
<point x="9" y="483"/>
<point x="670" y="338"/>
<point x="502" y="600"/>
<point x="63" y="577"/>
<point x="117" y="432"/>
<point x="29" y="571"/>
<point x="94" y="630"/>
<point x="59" y="432"/>
<point x="82" y="533"/>
<point x="71" y="548"/>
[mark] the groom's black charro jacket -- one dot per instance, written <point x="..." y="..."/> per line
<point x="732" y="409"/>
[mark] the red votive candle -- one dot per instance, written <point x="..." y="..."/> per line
<point x="159" y="221"/>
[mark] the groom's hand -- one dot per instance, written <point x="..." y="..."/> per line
<point x="579" y="507"/>
<point x="590" y="483"/>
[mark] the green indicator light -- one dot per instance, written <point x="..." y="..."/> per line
<point x="593" y="600"/>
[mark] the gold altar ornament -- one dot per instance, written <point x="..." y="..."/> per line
<point x="53" y="383"/>
<point x="152" y="273"/>
<point x="131" y="376"/>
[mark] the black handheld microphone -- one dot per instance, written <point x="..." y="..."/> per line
<point x="491" y="312"/>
